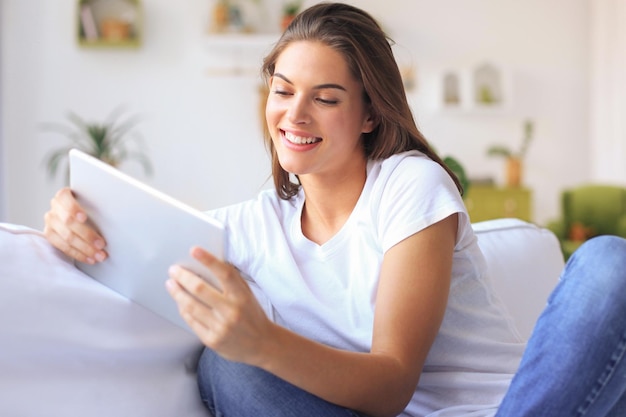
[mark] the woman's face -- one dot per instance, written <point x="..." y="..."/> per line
<point x="315" y="112"/>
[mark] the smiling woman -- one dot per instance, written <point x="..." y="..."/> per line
<point x="316" y="115"/>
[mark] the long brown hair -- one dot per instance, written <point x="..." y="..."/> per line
<point x="367" y="50"/>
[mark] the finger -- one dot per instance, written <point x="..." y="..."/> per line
<point x="190" y="307"/>
<point x="65" y="228"/>
<point x="68" y="211"/>
<point x="226" y="274"/>
<point x="194" y="285"/>
<point x="207" y="258"/>
<point x="204" y="320"/>
<point x="197" y="317"/>
<point x="71" y="244"/>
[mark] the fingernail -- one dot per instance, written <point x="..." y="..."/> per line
<point x="81" y="217"/>
<point x="173" y="269"/>
<point x="90" y="261"/>
<point x="100" y="256"/>
<point x="99" y="243"/>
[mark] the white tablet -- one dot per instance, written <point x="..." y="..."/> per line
<point x="146" y="232"/>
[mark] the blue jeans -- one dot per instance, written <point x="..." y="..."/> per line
<point x="231" y="389"/>
<point x="575" y="364"/>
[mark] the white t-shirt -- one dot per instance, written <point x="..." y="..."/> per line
<point x="328" y="292"/>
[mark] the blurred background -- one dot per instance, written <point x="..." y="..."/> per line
<point x="476" y="72"/>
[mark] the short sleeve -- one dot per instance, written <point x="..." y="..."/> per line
<point x="414" y="192"/>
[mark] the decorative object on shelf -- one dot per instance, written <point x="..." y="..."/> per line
<point x="108" y="141"/>
<point x="109" y="23"/>
<point x="514" y="160"/>
<point x="451" y="89"/>
<point x="115" y="30"/>
<point x="484" y="88"/>
<point x="232" y="16"/>
<point x="290" y="10"/>
<point x="487" y="85"/>
<point x="220" y="16"/>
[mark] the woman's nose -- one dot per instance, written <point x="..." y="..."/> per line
<point x="298" y="111"/>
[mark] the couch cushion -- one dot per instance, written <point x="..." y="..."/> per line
<point x="72" y="347"/>
<point x="525" y="262"/>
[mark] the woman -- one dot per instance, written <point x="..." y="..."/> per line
<point x="356" y="287"/>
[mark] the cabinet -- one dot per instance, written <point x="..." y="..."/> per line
<point x="109" y="23"/>
<point x="489" y="202"/>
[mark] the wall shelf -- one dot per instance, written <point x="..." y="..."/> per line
<point x="109" y="23"/>
<point x="237" y="54"/>
<point x="484" y="88"/>
<point x="242" y="40"/>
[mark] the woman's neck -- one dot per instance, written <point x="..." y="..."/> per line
<point x="328" y="204"/>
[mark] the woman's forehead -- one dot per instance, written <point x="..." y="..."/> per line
<point x="313" y="58"/>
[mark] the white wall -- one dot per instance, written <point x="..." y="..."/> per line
<point x="608" y="91"/>
<point x="203" y="131"/>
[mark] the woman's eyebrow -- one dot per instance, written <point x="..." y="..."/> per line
<point x="317" y="87"/>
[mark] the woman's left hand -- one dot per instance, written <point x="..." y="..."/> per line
<point x="230" y="321"/>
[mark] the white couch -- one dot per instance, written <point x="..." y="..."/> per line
<point x="61" y="356"/>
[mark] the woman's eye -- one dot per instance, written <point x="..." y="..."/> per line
<point x="280" y="92"/>
<point x="327" y="101"/>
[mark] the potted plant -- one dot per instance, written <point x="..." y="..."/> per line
<point x="458" y="170"/>
<point x="514" y="160"/>
<point x="290" y="10"/>
<point x="109" y="141"/>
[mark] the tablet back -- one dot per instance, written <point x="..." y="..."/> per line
<point x="146" y="232"/>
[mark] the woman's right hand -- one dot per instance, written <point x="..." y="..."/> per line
<point x="67" y="229"/>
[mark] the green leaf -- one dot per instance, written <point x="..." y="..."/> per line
<point x="113" y="141"/>
<point x="458" y="170"/>
<point x="498" y="150"/>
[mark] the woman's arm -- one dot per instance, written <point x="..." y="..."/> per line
<point x="411" y="301"/>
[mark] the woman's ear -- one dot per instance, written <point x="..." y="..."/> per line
<point x="370" y="123"/>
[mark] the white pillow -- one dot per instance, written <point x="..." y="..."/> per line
<point x="525" y="262"/>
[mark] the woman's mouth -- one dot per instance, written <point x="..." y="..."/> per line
<point x="301" y="140"/>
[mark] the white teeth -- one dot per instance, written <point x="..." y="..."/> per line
<point x="299" y="139"/>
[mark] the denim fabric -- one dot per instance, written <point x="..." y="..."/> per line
<point x="574" y="364"/>
<point x="231" y="389"/>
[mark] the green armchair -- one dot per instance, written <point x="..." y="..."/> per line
<point x="587" y="211"/>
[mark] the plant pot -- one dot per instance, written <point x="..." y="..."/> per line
<point x="115" y="30"/>
<point x="286" y="20"/>
<point x="221" y="18"/>
<point x="513" y="172"/>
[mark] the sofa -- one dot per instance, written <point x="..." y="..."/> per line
<point x="589" y="210"/>
<point x="71" y="347"/>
